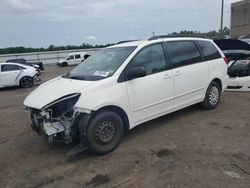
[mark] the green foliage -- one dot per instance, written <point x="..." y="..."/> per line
<point x="16" y="50"/>
<point x="211" y="34"/>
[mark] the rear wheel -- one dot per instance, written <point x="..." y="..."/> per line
<point x="105" y="132"/>
<point x="212" y="97"/>
<point x="26" y="82"/>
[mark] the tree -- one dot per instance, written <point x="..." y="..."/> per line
<point x="226" y="31"/>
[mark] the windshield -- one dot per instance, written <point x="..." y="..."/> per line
<point x="101" y="64"/>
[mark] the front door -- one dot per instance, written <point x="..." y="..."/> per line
<point x="150" y="96"/>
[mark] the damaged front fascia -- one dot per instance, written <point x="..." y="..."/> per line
<point x="59" y="117"/>
<point x="61" y="99"/>
<point x="71" y="124"/>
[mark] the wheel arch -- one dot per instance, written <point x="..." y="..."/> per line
<point x="26" y="76"/>
<point x="218" y="81"/>
<point x="120" y="112"/>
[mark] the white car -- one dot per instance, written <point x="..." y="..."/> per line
<point x="72" y="59"/>
<point x="122" y="86"/>
<point x="239" y="72"/>
<point x="14" y="74"/>
<point x="238" y="52"/>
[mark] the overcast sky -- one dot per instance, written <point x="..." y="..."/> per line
<point x="39" y="23"/>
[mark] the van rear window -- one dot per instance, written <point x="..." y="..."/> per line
<point x="209" y="51"/>
<point x="77" y="56"/>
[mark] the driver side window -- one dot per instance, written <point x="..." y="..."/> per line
<point x="7" y="68"/>
<point x="152" y="58"/>
<point x="70" y="57"/>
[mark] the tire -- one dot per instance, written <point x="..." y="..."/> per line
<point x="104" y="132"/>
<point x="212" y="97"/>
<point x="64" y="64"/>
<point x="26" y="82"/>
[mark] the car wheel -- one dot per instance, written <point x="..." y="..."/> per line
<point x="64" y="64"/>
<point x="104" y="132"/>
<point x="212" y="97"/>
<point x="26" y="82"/>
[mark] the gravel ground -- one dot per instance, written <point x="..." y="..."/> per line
<point x="188" y="148"/>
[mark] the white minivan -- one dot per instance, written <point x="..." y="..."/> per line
<point x="72" y="59"/>
<point x="122" y="86"/>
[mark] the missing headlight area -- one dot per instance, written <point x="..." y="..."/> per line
<point x="56" y="120"/>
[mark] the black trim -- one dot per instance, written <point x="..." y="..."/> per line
<point x="234" y="87"/>
<point x="125" y="41"/>
<point x="83" y="127"/>
<point x="174" y="36"/>
<point x="200" y="50"/>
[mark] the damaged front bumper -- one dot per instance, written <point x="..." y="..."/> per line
<point x="61" y="121"/>
<point x="58" y="129"/>
<point x="65" y="130"/>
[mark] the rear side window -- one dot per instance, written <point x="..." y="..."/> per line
<point x="6" y="68"/>
<point x="209" y="51"/>
<point x="183" y="53"/>
<point x="77" y="56"/>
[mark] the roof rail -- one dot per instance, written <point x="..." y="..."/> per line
<point x="174" y="36"/>
<point x="124" y="41"/>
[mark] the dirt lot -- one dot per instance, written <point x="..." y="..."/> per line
<point x="189" y="148"/>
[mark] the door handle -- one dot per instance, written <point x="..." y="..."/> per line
<point x="167" y="76"/>
<point x="177" y="73"/>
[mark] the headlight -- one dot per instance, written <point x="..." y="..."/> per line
<point x="63" y="105"/>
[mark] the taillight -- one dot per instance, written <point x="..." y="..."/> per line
<point x="226" y="60"/>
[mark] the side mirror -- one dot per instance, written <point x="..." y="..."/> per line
<point x="136" y="72"/>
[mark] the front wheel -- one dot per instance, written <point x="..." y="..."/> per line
<point x="64" y="64"/>
<point x="212" y="97"/>
<point x="26" y="82"/>
<point x="104" y="132"/>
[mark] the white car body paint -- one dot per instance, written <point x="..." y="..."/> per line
<point x="54" y="89"/>
<point x="12" y="78"/>
<point x="141" y="99"/>
<point x="73" y="58"/>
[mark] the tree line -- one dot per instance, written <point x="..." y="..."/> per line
<point x="15" y="50"/>
<point x="21" y="49"/>
<point x="211" y="34"/>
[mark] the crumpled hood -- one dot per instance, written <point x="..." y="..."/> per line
<point x="53" y="90"/>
